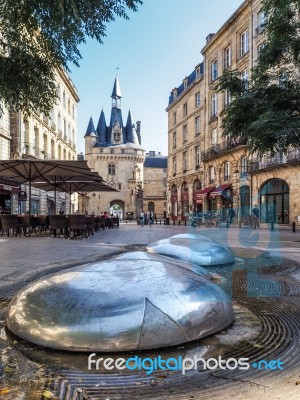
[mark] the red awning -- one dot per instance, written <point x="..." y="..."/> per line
<point x="202" y="193"/>
<point x="8" y="188"/>
<point x="220" y="189"/>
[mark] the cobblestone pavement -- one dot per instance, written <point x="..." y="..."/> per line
<point x="267" y="326"/>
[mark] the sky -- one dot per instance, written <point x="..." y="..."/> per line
<point x="153" y="51"/>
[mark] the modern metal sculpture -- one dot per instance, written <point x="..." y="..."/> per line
<point x="119" y="305"/>
<point x="195" y="249"/>
<point x="142" y="255"/>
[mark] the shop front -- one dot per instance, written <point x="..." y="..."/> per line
<point x="221" y="199"/>
<point x="201" y="198"/>
<point x="7" y="195"/>
<point x="185" y="207"/>
<point x="174" y="203"/>
<point x="274" y="202"/>
<point x="197" y="199"/>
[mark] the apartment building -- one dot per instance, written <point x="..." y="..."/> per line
<point x="210" y="172"/>
<point x="41" y="137"/>
<point x="155" y="184"/>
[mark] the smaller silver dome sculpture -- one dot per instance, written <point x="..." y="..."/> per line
<point x="195" y="249"/>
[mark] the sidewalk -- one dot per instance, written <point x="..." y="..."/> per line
<point x="25" y="259"/>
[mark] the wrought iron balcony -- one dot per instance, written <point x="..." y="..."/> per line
<point x="225" y="147"/>
<point x="269" y="162"/>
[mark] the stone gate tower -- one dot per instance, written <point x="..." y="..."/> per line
<point x="115" y="152"/>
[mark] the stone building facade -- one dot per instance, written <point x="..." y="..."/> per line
<point x="115" y="152"/>
<point x="207" y="171"/>
<point x="41" y="137"/>
<point x="155" y="184"/>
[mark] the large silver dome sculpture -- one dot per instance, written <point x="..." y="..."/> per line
<point x="195" y="249"/>
<point x="142" y="255"/>
<point x="119" y="305"/>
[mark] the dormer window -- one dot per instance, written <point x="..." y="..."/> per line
<point x="117" y="136"/>
<point x="185" y="83"/>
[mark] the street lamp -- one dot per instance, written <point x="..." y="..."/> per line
<point x="237" y="194"/>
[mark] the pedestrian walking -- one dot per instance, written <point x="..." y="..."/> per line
<point x="255" y="215"/>
<point x="231" y="215"/>
<point x="142" y="218"/>
<point x="150" y="218"/>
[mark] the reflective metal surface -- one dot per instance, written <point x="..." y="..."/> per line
<point x="142" y="255"/>
<point x="119" y="305"/>
<point x="190" y="248"/>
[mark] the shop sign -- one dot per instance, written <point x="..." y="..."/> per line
<point x="22" y="195"/>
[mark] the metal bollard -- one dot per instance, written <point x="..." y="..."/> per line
<point x="293" y="227"/>
<point x="185" y="222"/>
<point x="272" y="226"/>
<point x="179" y="222"/>
<point x="174" y="222"/>
<point x="160" y="222"/>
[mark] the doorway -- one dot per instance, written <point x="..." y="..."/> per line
<point x="274" y="201"/>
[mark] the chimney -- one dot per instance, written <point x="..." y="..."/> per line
<point x="209" y="37"/>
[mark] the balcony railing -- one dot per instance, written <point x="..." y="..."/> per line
<point x="222" y="148"/>
<point x="211" y="181"/>
<point x="269" y="162"/>
<point x="32" y="150"/>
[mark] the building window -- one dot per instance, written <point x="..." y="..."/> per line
<point x="214" y="70"/>
<point x="197" y="99"/>
<point x="184" y="133"/>
<point x="226" y="171"/>
<point x="120" y="186"/>
<point x="261" y="22"/>
<point x="112" y="151"/>
<point x="211" y="174"/>
<point x="174" y="118"/>
<point x="227" y="97"/>
<point x="100" y="151"/>
<point x="197" y="72"/>
<point x="174" y="165"/>
<point x="174" y="140"/>
<point x="197" y="125"/>
<point x="260" y="47"/>
<point x="111" y="169"/>
<point x="244" y="167"/>
<point x="185" y="109"/>
<point x="227" y="57"/>
<point x="214" y="137"/>
<point x="185" y="165"/>
<point x="245" y="78"/>
<point x="197" y="156"/>
<point x="214" y="104"/>
<point x="64" y="99"/>
<point x="244" y="42"/>
<point x="185" y="82"/>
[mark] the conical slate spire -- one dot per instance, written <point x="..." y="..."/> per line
<point x="90" y="131"/>
<point x="116" y="93"/>
<point x="101" y="129"/>
<point x="130" y="130"/>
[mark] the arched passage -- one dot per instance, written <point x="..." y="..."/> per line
<point x="274" y="201"/>
<point x="117" y="208"/>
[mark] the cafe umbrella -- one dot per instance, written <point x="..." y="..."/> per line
<point x="53" y="172"/>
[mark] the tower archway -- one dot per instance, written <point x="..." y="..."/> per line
<point x="117" y="208"/>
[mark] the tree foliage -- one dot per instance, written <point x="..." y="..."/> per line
<point x="266" y="111"/>
<point x="38" y="36"/>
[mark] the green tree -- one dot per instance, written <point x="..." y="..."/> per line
<point x="266" y="110"/>
<point x="38" y="36"/>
